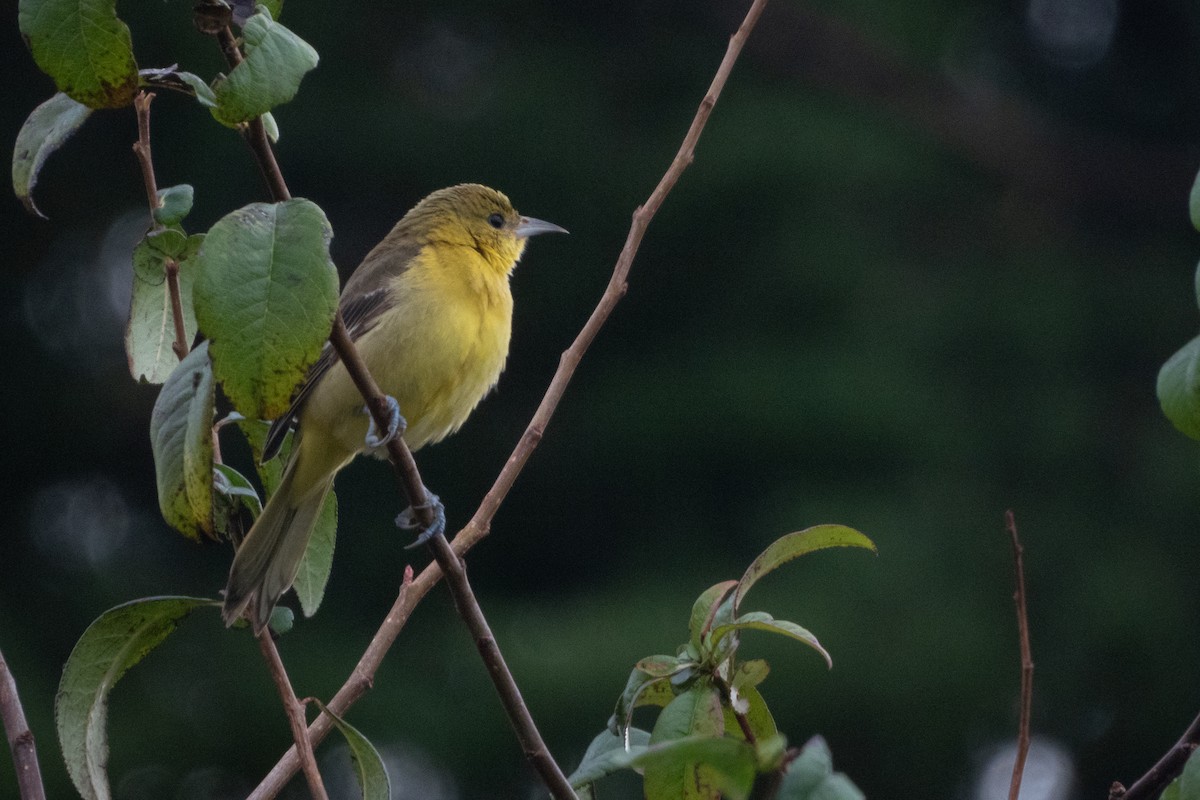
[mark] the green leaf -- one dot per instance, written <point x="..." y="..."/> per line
<point x="608" y="753"/>
<point x="265" y="294"/>
<point x="181" y="438"/>
<point x="811" y="777"/>
<point x="281" y="620"/>
<point x="1179" y="389"/>
<point x="234" y="498"/>
<point x="638" y="683"/>
<point x="750" y="673"/>
<point x="50" y="124"/>
<point x="234" y="484"/>
<point x="696" y="712"/>
<point x="706" y="766"/>
<point x="151" y="329"/>
<point x="762" y="621"/>
<point x="118" y="639"/>
<point x="659" y="666"/>
<point x="704" y="609"/>
<point x="1189" y="780"/>
<point x="270" y="126"/>
<point x="1171" y="792"/>
<point x="174" y="203"/>
<point x="794" y="545"/>
<point x="276" y="60"/>
<point x="368" y="765"/>
<point x="84" y="47"/>
<point x="1194" y="203"/>
<point x="318" y="559"/>
<point x="202" y="91"/>
<point x="274" y="6"/>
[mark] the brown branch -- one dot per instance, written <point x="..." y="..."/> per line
<point x="141" y="149"/>
<point x="295" y="715"/>
<point x="179" y="346"/>
<point x="20" y="738"/>
<point x="1014" y="788"/>
<point x="480" y="523"/>
<point x="1162" y="773"/>
<point x="510" y="696"/>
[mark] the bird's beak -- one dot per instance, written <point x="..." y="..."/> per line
<point x="532" y="227"/>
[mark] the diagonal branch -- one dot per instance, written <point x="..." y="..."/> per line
<point x="1162" y="773"/>
<point x="20" y="738"/>
<point x="480" y="524"/>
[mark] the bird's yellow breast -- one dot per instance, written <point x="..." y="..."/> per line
<point x="438" y="349"/>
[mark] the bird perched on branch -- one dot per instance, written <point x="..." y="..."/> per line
<point x="430" y="311"/>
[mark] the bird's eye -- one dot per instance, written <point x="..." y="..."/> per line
<point x="496" y="220"/>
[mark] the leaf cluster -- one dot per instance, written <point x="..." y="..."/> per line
<point x="715" y="735"/>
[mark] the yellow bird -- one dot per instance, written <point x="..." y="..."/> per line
<point x="431" y="314"/>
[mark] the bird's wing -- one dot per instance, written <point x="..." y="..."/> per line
<point x="364" y="300"/>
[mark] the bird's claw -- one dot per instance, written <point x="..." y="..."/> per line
<point x="407" y="520"/>
<point x="396" y="424"/>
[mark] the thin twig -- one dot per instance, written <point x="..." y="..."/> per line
<point x="295" y="715"/>
<point x="179" y="346"/>
<point x="141" y="149"/>
<point x="20" y="738"/>
<point x="480" y="523"/>
<point x="1014" y="788"/>
<point x="1162" y="773"/>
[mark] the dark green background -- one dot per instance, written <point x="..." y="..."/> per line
<point x="924" y="269"/>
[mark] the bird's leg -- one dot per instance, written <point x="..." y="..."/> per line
<point x="396" y="424"/>
<point x="407" y="520"/>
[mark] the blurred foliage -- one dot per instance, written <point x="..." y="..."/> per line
<point x="925" y="268"/>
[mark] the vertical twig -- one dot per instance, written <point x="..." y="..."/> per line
<point x="1014" y="789"/>
<point x="295" y="715"/>
<point x="20" y="738"/>
<point x="480" y="523"/>
<point x="141" y="149"/>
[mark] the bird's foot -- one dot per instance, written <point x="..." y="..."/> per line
<point x="396" y="424"/>
<point x="407" y="520"/>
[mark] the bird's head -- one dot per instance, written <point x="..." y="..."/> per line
<point x="476" y="216"/>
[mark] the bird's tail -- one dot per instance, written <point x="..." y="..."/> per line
<point x="267" y="561"/>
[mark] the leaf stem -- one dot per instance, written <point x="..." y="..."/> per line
<point x="20" y="738"/>
<point x="480" y="524"/>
